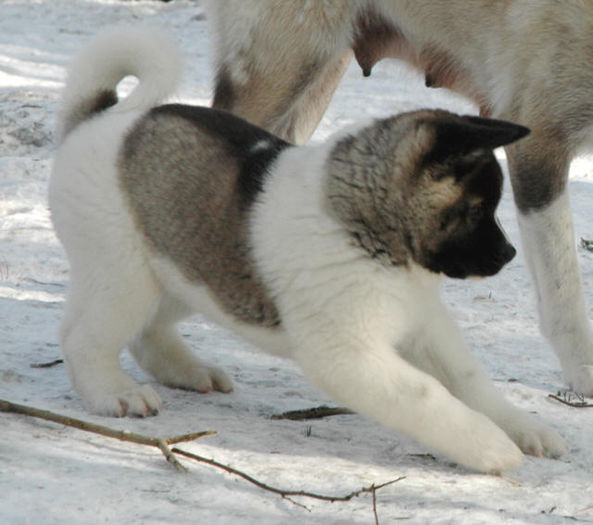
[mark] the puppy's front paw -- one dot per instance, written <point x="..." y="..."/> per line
<point x="491" y="450"/>
<point x="535" y="438"/>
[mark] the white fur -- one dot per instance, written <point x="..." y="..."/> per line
<point x="244" y="25"/>
<point x="548" y="235"/>
<point x="357" y="327"/>
<point x="510" y="53"/>
<point x="137" y="51"/>
<point x="375" y="338"/>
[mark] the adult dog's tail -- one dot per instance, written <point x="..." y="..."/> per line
<point x="124" y="51"/>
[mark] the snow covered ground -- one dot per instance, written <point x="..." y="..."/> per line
<point x="54" y="474"/>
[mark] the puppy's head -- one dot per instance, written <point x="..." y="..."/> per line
<point x="423" y="187"/>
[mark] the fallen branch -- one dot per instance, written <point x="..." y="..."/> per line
<point x="163" y="445"/>
<point x="567" y="399"/>
<point x="281" y="492"/>
<point x="122" y="435"/>
<point x="313" y="413"/>
<point x="47" y="365"/>
<point x="584" y="509"/>
<point x="587" y="244"/>
<point x="35" y="281"/>
<point x="375" y="515"/>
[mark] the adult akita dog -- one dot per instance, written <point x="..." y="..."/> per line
<point x="328" y="254"/>
<point x="278" y="63"/>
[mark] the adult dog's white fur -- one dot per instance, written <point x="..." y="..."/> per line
<point x="374" y="337"/>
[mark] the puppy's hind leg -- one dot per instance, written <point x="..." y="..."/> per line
<point x="103" y="315"/>
<point x="161" y="352"/>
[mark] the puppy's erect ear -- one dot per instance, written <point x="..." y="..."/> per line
<point x="463" y="135"/>
<point x="495" y="133"/>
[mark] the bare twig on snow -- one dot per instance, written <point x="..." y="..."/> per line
<point x="122" y="435"/>
<point x="313" y="413"/>
<point x="47" y="365"/>
<point x="567" y="398"/>
<point x="281" y="492"/>
<point x="163" y="445"/>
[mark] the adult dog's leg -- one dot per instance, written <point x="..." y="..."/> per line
<point x="300" y="122"/>
<point x="539" y="171"/>
<point x="274" y="72"/>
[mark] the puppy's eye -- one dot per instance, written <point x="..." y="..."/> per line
<point x="450" y="221"/>
<point x="475" y="213"/>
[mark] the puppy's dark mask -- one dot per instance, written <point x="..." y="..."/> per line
<point x="423" y="187"/>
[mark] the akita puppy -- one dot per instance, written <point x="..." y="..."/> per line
<point x="278" y="64"/>
<point x="328" y="254"/>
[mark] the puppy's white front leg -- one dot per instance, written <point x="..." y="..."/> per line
<point x="360" y="369"/>
<point x="440" y="350"/>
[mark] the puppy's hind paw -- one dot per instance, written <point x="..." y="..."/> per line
<point x="140" y="401"/>
<point x="199" y="377"/>
<point x="208" y="378"/>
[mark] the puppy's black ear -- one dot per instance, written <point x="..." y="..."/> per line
<point x="463" y="135"/>
<point x="496" y="133"/>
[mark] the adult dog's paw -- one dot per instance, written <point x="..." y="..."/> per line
<point x="580" y="379"/>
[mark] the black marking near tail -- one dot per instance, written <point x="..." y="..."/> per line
<point x="98" y="102"/>
<point x="254" y="148"/>
<point x="104" y="99"/>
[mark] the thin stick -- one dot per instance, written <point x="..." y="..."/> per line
<point x="122" y="435"/>
<point x="313" y="413"/>
<point x="163" y="445"/>
<point x="47" y="365"/>
<point x="374" y="493"/>
<point x="574" y="404"/>
<point x="189" y="437"/>
<point x="283" y="493"/>
<point x="584" y="509"/>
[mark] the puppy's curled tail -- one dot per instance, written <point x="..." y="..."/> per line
<point x="142" y="52"/>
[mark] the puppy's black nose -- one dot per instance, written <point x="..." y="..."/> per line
<point x="509" y="252"/>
